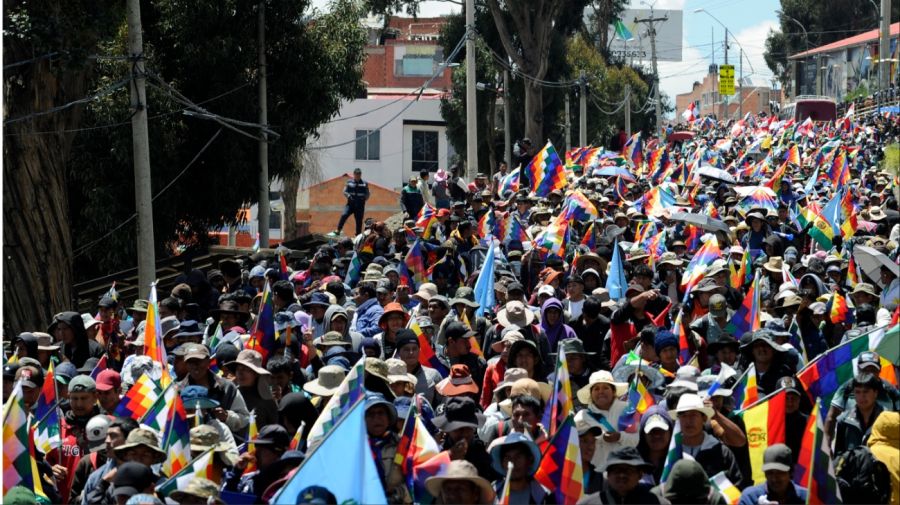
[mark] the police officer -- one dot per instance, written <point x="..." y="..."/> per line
<point x="357" y="192"/>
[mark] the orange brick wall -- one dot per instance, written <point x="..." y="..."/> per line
<point x="326" y="204"/>
<point x="378" y="71"/>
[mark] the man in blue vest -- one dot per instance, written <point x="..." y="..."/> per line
<point x="357" y="192"/>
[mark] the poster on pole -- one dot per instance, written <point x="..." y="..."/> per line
<point x="637" y="49"/>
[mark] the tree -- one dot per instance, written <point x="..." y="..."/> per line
<point x="47" y="64"/>
<point x="314" y="62"/>
<point x="824" y="22"/>
<point x="206" y="53"/>
<point x="528" y="29"/>
<point x="603" y="14"/>
<point x="606" y="87"/>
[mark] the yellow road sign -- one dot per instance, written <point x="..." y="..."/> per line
<point x="726" y="80"/>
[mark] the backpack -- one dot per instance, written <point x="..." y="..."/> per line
<point x="862" y="478"/>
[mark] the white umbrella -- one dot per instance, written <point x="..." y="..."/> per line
<point x="716" y="173"/>
<point x="871" y="261"/>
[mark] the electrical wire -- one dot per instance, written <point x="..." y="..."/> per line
<point x="427" y="83"/>
<point x="196" y="110"/>
<point x="128" y="121"/>
<point x="100" y="94"/>
<point x="78" y="252"/>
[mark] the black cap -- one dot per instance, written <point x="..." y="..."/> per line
<point x="274" y="435"/>
<point x="456" y="330"/>
<point x="789" y="384"/>
<point x="777" y="457"/>
<point x="9" y="371"/>
<point x="132" y="478"/>
<point x="406" y="336"/>
<point x="514" y="286"/>
<point x="107" y="302"/>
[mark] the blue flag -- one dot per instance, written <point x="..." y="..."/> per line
<point x="342" y="463"/>
<point x="616" y="283"/>
<point x="832" y="213"/>
<point x="484" y="285"/>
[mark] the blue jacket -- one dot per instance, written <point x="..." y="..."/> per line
<point x="367" y="316"/>
<point x="751" y="495"/>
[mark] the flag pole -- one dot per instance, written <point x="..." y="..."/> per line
<point x="189" y="465"/>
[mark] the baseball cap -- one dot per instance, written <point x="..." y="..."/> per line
<point x="95" y="431"/>
<point x="82" y="384"/>
<point x="31" y="376"/>
<point x="777" y="457"/>
<point x="196" y="351"/>
<point x="272" y="434"/>
<point x="656" y="421"/>
<point x="869" y="359"/>
<point x="108" y="380"/>
<point x="132" y="478"/>
<point x="789" y="384"/>
<point x="64" y="372"/>
<point x="718" y="306"/>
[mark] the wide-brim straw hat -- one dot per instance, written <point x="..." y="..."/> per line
<point x="601" y="377"/>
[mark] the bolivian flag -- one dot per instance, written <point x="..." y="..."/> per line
<point x="765" y="426"/>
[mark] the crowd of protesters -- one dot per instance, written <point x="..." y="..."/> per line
<point x="500" y="360"/>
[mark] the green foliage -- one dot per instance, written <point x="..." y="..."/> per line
<point x="824" y="21"/>
<point x="861" y="91"/>
<point x="607" y="85"/>
<point x="891" y="161"/>
<point x="207" y="50"/>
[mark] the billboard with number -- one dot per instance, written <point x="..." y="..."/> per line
<point x="637" y="48"/>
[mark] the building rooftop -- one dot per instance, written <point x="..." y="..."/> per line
<point x="861" y="38"/>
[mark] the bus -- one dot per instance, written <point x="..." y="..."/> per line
<point x="819" y="108"/>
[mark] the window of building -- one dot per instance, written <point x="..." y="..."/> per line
<point x="275" y="220"/>
<point x="368" y="144"/>
<point x="424" y="151"/>
<point x="417" y="61"/>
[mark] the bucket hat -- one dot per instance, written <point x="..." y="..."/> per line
<point x="515" y="314"/>
<point x="459" y="382"/>
<point x="327" y="383"/>
<point x="600" y="377"/>
<point x="514" y="438"/>
<point x="459" y="412"/>
<point x="690" y="401"/>
<point x="250" y="359"/>
<point x="461" y="470"/>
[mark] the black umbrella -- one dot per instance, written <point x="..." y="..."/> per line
<point x="701" y="220"/>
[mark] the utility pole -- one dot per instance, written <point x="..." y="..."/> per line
<point x="741" y="86"/>
<point x="628" y="109"/>
<point x="140" y="143"/>
<point x="262" y="212"/>
<point x="507" y="135"/>
<point x="651" y="22"/>
<point x="582" y="112"/>
<point x="471" y="110"/>
<point x="725" y="99"/>
<point x="568" y="125"/>
<point x="884" y="44"/>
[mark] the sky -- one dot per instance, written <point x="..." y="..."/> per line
<point x="748" y="22"/>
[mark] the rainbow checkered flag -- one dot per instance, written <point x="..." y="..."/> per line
<point x="560" y="403"/>
<point x="351" y="390"/>
<point x="18" y="446"/>
<point x="46" y="411"/>
<point x="560" y="469"/>
<point x="177" y="438"/>
<point x="723" y="485"/>
<point x="547" y="171"/>
<point x="139" y="398"/>
<point x="201" y="467"/>
<point x="675" y="454"/>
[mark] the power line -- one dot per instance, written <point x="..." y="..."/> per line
<point x="439" y="71"/>
<point x="100" y="94"/>
<point x="82" y="249"/>
<point x="128" y="121"/>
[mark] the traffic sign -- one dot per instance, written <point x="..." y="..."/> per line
<point x="726" y="80"/>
